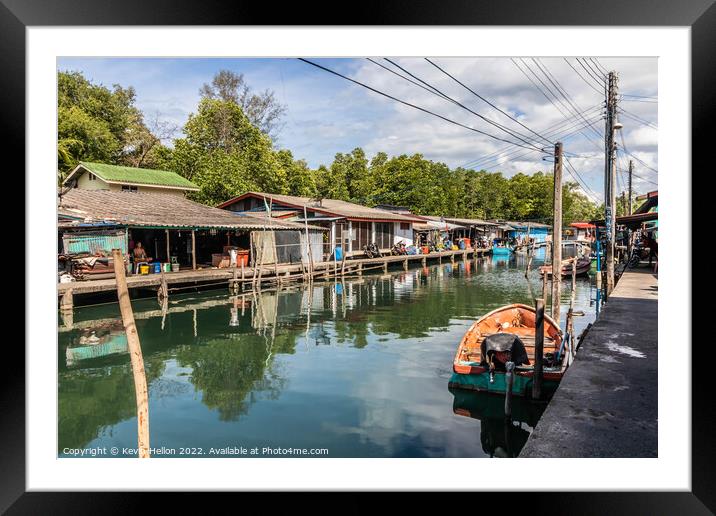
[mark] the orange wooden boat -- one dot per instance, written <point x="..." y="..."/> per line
<point x="472" y="363"/>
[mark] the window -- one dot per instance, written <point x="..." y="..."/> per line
<point x="92" y="177"/>
<point x="126" y="188"/>
<point x="361" y="235"/>
<point x="404" y="226"/>
<point x="384" y="235"/>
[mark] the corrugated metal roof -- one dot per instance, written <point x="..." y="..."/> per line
<point x="345" y="209"/>
<point x="461" y="221"/>
<point x="133" y="176"/>
<point x="160" y="210"/>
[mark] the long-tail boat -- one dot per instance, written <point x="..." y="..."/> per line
<point x="507" y="334"/>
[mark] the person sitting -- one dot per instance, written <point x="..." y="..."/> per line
<point x="140" y="255"/>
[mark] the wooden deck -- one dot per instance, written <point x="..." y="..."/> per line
<point x="268" y="273"/>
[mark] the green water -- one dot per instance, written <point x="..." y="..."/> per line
<point x="358" y="367"/>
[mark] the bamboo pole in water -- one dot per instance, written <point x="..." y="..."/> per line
<point x="135" y="355"/>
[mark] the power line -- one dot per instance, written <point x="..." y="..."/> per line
<point x="401" y="76"/>
<point x="554" y="131"/>
<point x="637" y="118"/>
<point x="408" y="103"/>
<point x="590" y="73"/>
<point x="562" y="91"/>
<point x="639" y="160"/>
<point x="599" y="65"/>
<point x="519" y="136"/>
<point x="596" y="72"/>
<point x="487" y="101"/>
<point x="587" y="190"/>
<point x="582" y="77"/>
<point x="492" y="162"/>
<point x="548" y="98"/>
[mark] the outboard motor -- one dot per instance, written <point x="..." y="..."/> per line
<point x="500" y="348"/>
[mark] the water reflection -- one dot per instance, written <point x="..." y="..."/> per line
<point x="358" y="366"/>
<point x="499" y="436"/>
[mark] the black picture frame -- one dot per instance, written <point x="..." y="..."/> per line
<point x="700" y="15"/>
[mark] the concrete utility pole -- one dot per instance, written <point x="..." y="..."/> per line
<point x="557" y="233"/>
<point x="610" y="179"/>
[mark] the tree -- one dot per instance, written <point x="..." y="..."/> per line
<point x="95" y="123"/>
<point x="262" y="109"/>
<point x="225" y="154"/>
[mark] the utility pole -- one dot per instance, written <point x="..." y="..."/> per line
<point x="629" y="211"/>
<point x="557" y="233"/>
<point x="610" y="178"/>
<point x="631" y="168"/>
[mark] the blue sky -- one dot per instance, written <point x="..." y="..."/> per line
<point x="327" y="114"/>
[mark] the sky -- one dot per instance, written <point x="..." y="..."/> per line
<point x="327" y="114"/>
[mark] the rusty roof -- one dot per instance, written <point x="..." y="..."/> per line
<point x="160" y="210"/>
<point x="345" y="209"/>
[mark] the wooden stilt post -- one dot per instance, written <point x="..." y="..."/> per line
<point x="385" y="267"/>
<point x="405" y="264"/>
<point x="135" y="355"/>
<point x="163" y="291"/>
<point x="539" y="349"/>
<point x="360" y="269"/>
<point x="67" y="301"/>
<point x="193" y="249"/>
<point x="169" y="258"/>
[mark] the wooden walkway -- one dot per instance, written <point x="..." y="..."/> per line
<point x="268" y="273"/>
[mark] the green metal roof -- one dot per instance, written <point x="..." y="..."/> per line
<point x="143" y="176"/>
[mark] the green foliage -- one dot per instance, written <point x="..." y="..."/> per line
<point x="95" y="123"/>
<point x="227" y="151"/>
<point x="225" y="154"/>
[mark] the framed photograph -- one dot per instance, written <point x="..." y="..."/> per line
<point x="416" y="252"/>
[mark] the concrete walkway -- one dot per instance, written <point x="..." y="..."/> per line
<point x="606" y="404"/>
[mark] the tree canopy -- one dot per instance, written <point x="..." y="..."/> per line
<point x="226" y="148"/>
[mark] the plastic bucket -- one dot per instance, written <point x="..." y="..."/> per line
<point x="144" y="269"/>
<point x="339" y="253"/>
<point x="175" y="267"/>
<point x="157" y="267"/>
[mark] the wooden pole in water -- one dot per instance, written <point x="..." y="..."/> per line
<point x="530" y="252"/>
<point x="557" y="233"/>
<point x="574" y="282"/>
<point x="135" y="355"/>
<point x="539" y="349"/>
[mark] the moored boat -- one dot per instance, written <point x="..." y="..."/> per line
<point x="501" y="247"/>
<point x="584" y="264"/>
<point x="508" y="334"/>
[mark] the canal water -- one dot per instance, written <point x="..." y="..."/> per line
<point x="353" y="368"/>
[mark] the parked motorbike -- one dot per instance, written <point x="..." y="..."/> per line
<point x="371" y="251"/>
<point x="398" y="249"/>
<point x="638" y="253"/>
